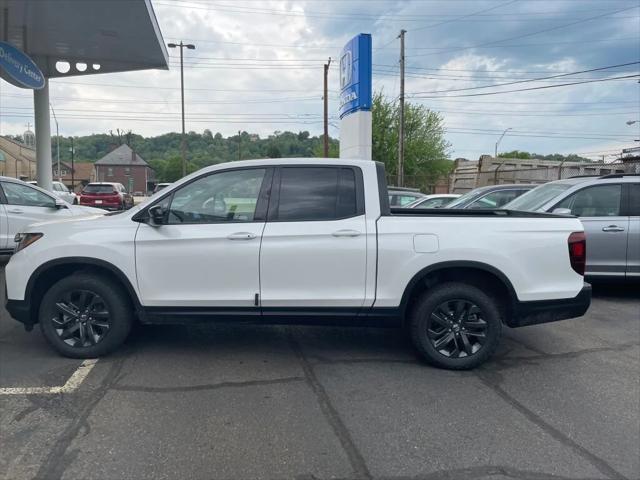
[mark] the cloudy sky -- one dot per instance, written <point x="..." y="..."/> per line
<point x="258" y="67"/>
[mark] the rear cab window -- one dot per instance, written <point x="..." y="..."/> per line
<point x="318" y="194"/>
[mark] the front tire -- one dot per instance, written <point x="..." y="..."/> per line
<point x="456" y="326"/>
<point x="85" y="316"/>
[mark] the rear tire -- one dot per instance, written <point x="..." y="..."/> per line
<point x="85" y="316"/>
<point x="455" y="326"/>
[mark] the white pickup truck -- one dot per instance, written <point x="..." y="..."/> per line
<point x="298" y="241"/>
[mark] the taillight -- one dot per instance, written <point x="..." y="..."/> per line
<point x="578" y="251"/>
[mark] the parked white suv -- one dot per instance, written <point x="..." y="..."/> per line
<point x="60" y="190"/>
<point x="22" y="204"/>
<point x="298" y="241"/>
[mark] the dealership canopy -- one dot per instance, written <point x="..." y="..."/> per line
<point x="79" y="37"/>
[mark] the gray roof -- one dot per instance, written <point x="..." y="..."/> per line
<point x="123" y="155"/>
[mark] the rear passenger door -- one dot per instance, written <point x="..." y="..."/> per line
<point x="606" y="226"/>
<point x="314" y="248"/>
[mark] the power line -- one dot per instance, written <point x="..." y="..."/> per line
<point x="537" y="32"/>
<point x="534" y="79"/>
<point x="464" y="16"/>
<point x="529" y="89"/>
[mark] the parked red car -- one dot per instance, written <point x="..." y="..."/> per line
<point x="110" y="196"/>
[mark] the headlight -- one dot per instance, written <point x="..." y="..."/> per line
<point x="25" y="239"/>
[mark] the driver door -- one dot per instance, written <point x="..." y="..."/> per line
<point x="206" y="252"/>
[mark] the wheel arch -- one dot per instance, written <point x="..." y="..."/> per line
<point x="50" y="272"/>
<point x="474" y="273"/>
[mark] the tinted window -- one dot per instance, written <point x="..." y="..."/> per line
<point x="96" y="188"/>
<point x="599" y="201"/>
<point x="634" y="199"/>
<point x="17" y="194"/>
<point x="496" y="199"/>
<point x="316" y="193"/>
<point x="220" y="197"/>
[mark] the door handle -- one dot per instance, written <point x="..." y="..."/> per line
<point x="613" y="228"/>
<point x="242" y="236"/>
<point x="346" y="233"/>
<point x="15" y="211"/>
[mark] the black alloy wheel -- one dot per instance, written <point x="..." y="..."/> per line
<point x="81" y="319"/>
<point x="456" y="328"/>
<point x="86" y="315"/>
<point x="456" y="325"/>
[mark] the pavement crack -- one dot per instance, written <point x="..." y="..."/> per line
<point x="483" y="471"/>
<point x="493" y="380"/>
<point x="57" y="460"/>
<point x="505" y="362"/>
<point x="332" y="416"/>
<point x="212" y="386"/>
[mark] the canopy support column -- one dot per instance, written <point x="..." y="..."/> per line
<point x="44" y="168"/>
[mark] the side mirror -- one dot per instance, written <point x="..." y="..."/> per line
<point x="156" y="215"/>
<point x="60" y="204"/>
<point x="561" y="211"/>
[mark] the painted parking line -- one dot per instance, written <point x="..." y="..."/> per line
<point x="71" y="385"/>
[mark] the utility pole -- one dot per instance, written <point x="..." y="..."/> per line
<point x="239" y="145"/>
<point x="183" y="144"/>
<point x="73" y="185"/>
<point x="326" y="109"/>
<point x="400" y="180"/>
<point x="57" y="142"/>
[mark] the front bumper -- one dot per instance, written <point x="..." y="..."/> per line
<point x="544" y="311"/>
<point x="20" y="310"/>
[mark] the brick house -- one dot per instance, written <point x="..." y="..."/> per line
<point x="123" y="165"/>
<point x="83" y="173"/>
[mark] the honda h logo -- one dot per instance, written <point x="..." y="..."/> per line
<point x="345" y="70"/>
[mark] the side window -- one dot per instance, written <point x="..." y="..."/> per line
<point x="229" y="196"/>
<point x="496" y="199"/>
<point x="598" y="201"/>
<point x="17" y="194"/>
<point x="634" y="199"/>
<point x="316" y="193"/>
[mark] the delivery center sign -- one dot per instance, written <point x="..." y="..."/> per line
<point x="18" y="69"/>
<point x="355" y="75"/>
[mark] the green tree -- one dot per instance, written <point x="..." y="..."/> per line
<point x="425" y="148"/>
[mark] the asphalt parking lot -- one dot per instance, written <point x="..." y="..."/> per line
<point x="558" y="401"/>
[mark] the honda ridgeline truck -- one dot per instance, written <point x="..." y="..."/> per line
<point x="305" y="241"/>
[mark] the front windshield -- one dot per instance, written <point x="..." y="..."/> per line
<point x="536" y="198"/>
<point x="465" y="198"/>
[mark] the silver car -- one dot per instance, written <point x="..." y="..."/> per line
<point x="609" y="208"/>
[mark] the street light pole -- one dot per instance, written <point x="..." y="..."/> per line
<point x="73" y="178"/>
<point x="57" y="141"/>
<point x="495" y="175"/>
<point x="183" y="145"/>
<point x="499" y="140"/>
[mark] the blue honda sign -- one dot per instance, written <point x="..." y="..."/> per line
<point x="18" y="69"/>
<point x="355" y="75"/>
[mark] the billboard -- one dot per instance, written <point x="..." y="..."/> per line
<point x="355" y="75"/>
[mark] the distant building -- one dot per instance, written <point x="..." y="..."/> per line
<point x="123" y="165"/>
<point x="83" y="173"/>
<point x="17" y="159"/>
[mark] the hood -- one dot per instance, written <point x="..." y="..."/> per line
<point x="80" y="210"/>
